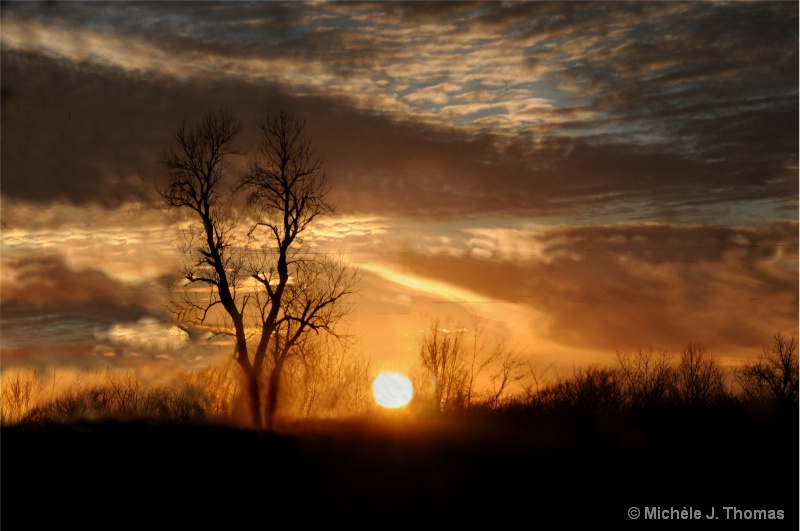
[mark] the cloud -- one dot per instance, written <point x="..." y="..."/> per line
<point x="54" y="314"/>
<point x="48" y="282"/>
<point x="132" y="243"/>
<point x="629" y="286"/>
<point x="55" y="151"/>
<point x="572" y="110"/>
<point x="461" y="140"/>
<point x="586" y="53"/>
<point x="46" y="302"/>
<point x="146" y="336"/>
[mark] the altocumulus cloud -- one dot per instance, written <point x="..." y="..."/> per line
<point x="582" y="110"/>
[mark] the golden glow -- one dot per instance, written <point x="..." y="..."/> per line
<point x="392" y="390"/>
<point x="422" y="285"/>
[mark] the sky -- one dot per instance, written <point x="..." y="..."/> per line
<point x="588" y="178"/>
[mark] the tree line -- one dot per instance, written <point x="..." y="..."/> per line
<point x="474" y="376"/>
<point x="453" y="357"/>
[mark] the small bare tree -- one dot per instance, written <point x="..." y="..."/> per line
<point x="648" y="378"/>
<point x="593" y="389"/>
<point x="328" y="379"/>
<point x="441" y="353"/>
<point x="535" y="383"/>
<point x="699" y="378"/>
<point x="272" y="290"/>
<point x="479" y="353"/>
<point x="774" y="374"/>
<point x="456" y="357"/>
<point x="508" y="369"/>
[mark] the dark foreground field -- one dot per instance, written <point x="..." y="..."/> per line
<point x="527" y="473"/>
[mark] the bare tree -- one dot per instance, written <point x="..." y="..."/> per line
<point x="508" y="369"/>
<point x="328" y="379"/>
<point x="648" y="378"/>
<point x="456" y="357"/>
<point x="699" y="378"/>
<point x="272" y="290"/>
<point x="535" y="383"/>
<point x="774" y="374"/>
<point x="591" y="389"/>
<point x="479" y="353"/>
<point x="441" y="353"/>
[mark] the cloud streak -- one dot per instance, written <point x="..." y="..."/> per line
<point x="629" y="286"/>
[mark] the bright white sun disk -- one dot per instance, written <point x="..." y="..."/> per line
<point x="392" y="390"/>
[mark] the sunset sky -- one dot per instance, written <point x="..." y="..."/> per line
<point x="587" y="177"/>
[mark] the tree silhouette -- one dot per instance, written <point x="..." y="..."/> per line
<point x="441" y="353"/>
<point x="774" y="374"/>
<point x="455" y="357"/>
<point x="699" y="378"/>
<point x="255" y="264"/>
<point x="327" y="379"/>
<point x="508" y="368"/>
<point x="593" y="389"/>
<point x="648" y="378"/>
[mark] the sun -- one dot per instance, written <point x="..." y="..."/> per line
<point x="392" y="390"/>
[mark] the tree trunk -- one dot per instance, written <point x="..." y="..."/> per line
<point x="253" y="397"/>
<point x="272" y="394"/>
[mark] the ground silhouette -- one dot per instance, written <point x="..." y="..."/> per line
<point x="513" y="469"/>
